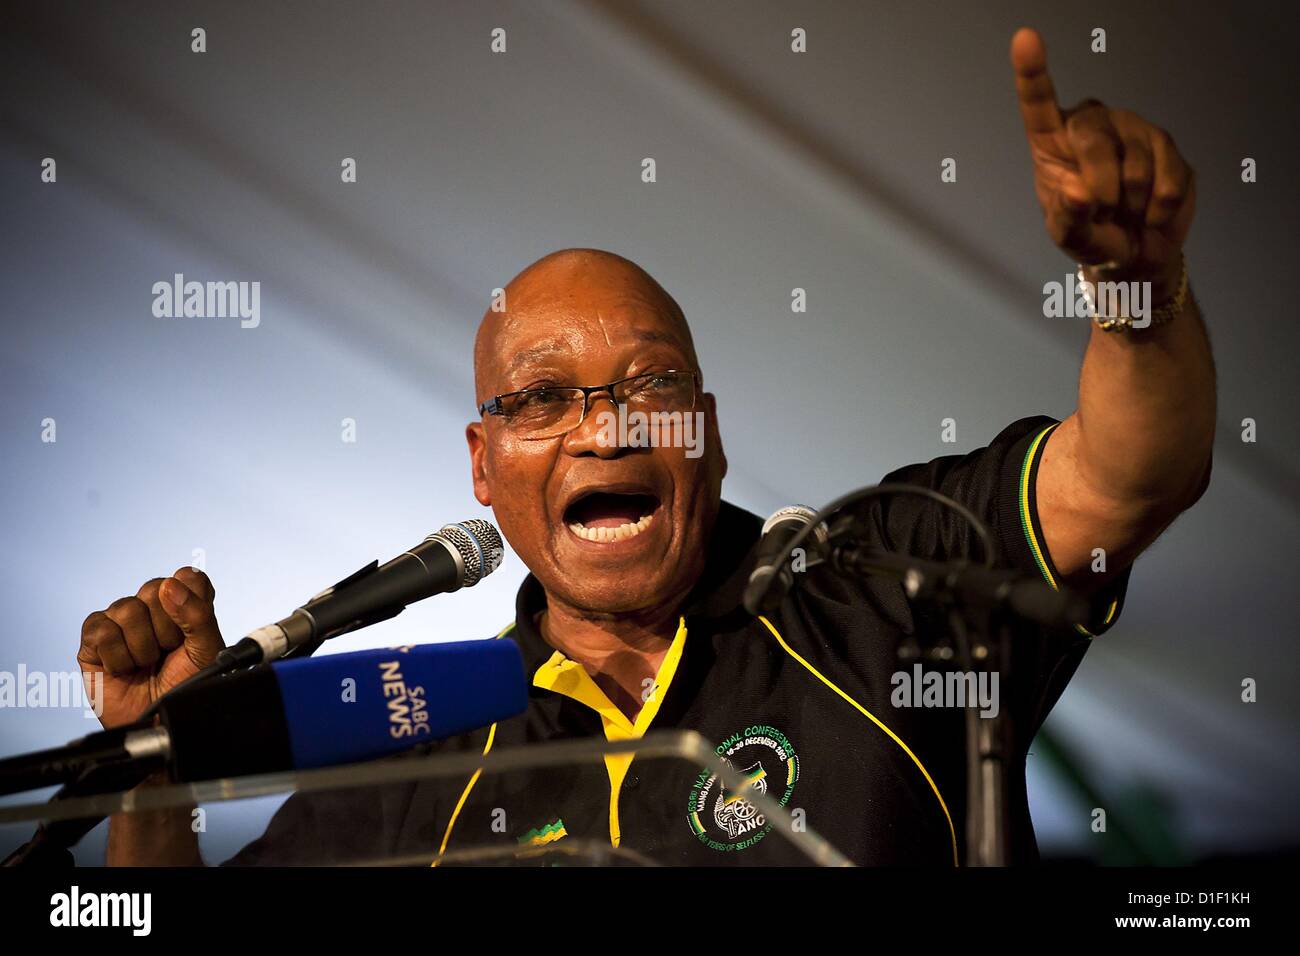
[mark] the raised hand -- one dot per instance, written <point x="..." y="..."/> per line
<point x="1114" y="190"/>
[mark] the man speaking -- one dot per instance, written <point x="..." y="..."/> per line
<point x="631" y="619"/>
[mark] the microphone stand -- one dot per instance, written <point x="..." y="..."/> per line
<point x="989" y="741"/>
<point x="982" y="603"/>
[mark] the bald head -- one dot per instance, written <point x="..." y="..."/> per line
<point x="568" y="288"/>
<point x="609" y="527"/>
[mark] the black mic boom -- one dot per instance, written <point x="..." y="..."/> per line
<point x="1026" y="597"/>
<point x="773" y="576"/>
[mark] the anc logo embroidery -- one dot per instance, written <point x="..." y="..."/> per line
<point x="541" y="836"/>
<point x="727" y="821"/>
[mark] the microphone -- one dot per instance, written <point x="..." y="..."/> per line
<point x="459" y="555"/>
<point x="341" y="708"/>
<point x="303" y="713"/>
<point x="768" y="585"/>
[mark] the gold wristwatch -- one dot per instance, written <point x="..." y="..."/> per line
<point x="1124" y="323"/>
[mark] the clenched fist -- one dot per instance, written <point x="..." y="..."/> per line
<point x="147" y="644"/>
<point x="1113" y="187"/>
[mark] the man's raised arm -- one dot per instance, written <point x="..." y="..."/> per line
<point x="1118" y="198"/>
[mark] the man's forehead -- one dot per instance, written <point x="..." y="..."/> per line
<point x="574" y="304"/>
<point x="542" y="344"/>
<point x="614" y="321"/>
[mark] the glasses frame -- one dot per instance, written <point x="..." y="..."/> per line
<point x="494" y="406"/>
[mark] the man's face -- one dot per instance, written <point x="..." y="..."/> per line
<point x="588" y="325"/>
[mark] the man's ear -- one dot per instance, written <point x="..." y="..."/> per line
<point x="478" y="461"/>
<point x="712" y="405"/>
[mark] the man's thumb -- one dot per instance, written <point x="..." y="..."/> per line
<point x="194" y="617"/>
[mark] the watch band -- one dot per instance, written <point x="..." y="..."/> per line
<point x="1124" y="323"/>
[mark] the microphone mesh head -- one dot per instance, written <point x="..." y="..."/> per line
<point x="479" y="545"/>
<point x="803" y="514"/>
<point x="790" y="511"/>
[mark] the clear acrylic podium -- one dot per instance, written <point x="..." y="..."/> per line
<point x="361" y="781"/>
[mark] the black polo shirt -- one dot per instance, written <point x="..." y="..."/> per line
<point x="801" y="703"/>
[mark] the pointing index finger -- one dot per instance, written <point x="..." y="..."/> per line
<point x="1034" y="87"/>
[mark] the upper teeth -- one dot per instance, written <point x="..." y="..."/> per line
<point x="629" y="530"/>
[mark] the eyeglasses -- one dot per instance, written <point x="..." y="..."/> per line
<point x="553" y="410"/>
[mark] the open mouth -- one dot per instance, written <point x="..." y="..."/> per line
<point x="610" y="516"/>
